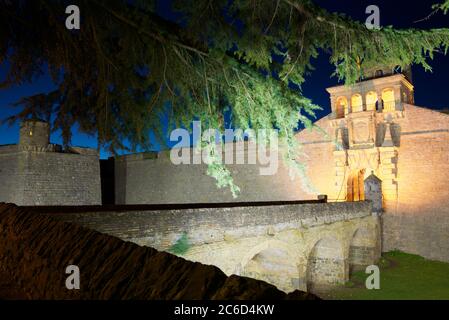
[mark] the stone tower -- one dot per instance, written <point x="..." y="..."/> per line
<point x="366" y="122"/>
<point x="34" y="134"/>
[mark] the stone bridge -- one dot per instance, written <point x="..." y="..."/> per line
<point x="297" y="245"/>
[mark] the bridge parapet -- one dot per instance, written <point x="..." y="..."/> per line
<point x="302" y="246"/>
<point x="162" y="228"/>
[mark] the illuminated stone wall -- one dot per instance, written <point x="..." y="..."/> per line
<point x="418" y="221"/>
<point x="405" y="146"/>
<point x="153" y="179"/>
<point x="408" y="151"/>
<point x="295" y="246"/>
<point x="414" y="170"/>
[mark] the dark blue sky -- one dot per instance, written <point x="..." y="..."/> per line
<point x="431" y="89"/>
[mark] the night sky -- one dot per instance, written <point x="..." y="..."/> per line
<point x="431" y="89"/>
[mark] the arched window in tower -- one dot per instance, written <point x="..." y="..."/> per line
<point x="357" y="103"/>
<point x="379" y="73"/>
<point x="371" y="99"/>
<point x="342" y="107"/>
<point x="388" y="100"/>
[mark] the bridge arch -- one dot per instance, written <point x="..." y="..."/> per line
<point x="326" y="264"/>
<point x="275" y="262"/>
<point x="363" y="248"/>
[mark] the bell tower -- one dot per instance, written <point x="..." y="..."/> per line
<point x="34" y="134"/>
<point x="366" y="122"/>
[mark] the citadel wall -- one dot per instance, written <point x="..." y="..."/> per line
<point x="10" y="179"/>
<point x="49" y="178"/>
<point x="35" y="172"/>
<point x="414" y="170"/>
<point x="153" y="179"/>
<point x="418" y="222"/>
<point x="61" y="179"/>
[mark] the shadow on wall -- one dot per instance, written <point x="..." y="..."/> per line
<point x="274" y="265"/>
<point x="326" y="265"/>
<point x="107" y="168"/>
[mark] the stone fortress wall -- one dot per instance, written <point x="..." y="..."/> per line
<point x="373" y="129"/>
<point x="418" y="220"/>
<point x="152" y="178"/>
<point x="35" y="172"/>
<point x="416" y="217"/>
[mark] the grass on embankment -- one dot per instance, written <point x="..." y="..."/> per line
<point x="402" y="277"/>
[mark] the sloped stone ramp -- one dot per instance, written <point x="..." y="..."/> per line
<point x="35" y="251"/>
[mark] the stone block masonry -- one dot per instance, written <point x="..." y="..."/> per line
<point x="418" y="220"/>
<point x="278" y="243"/>
<point x="10" y="178"/>
<point x="61" y="179"/>
<point x="49" y="178"/>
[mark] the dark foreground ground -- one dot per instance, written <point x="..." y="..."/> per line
<point x="403" y="277"/>
<point x="10" y="291"/>
<point x="36" y="250"/>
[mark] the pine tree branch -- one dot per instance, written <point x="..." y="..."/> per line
<point x="304" y="11"/>
<point x="152" y="35"/>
